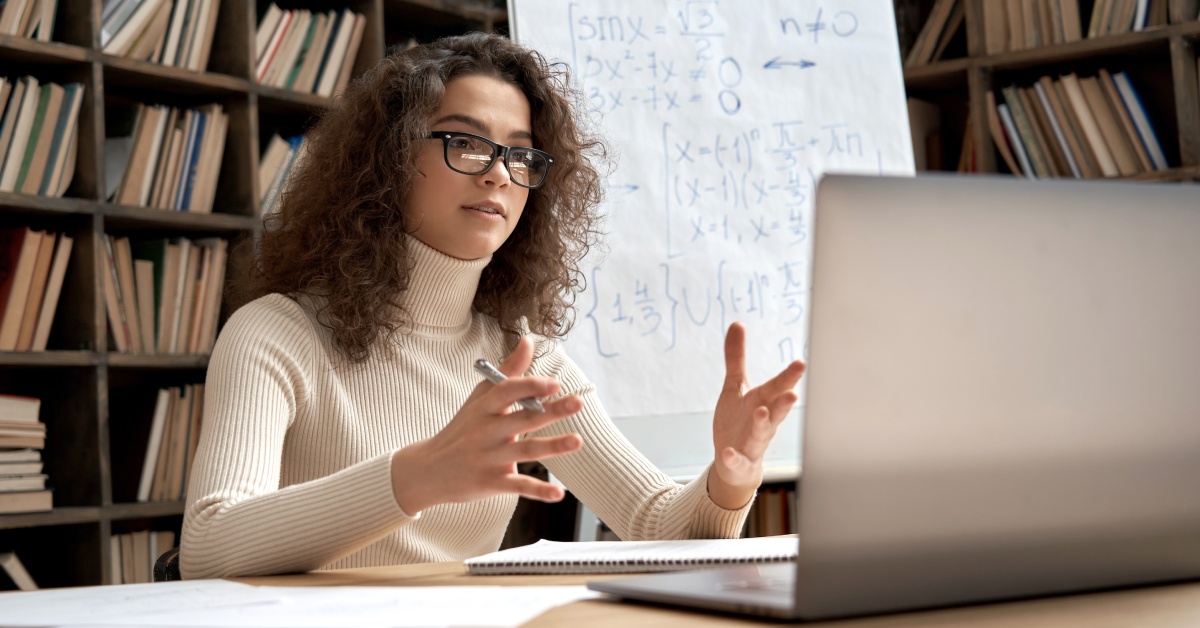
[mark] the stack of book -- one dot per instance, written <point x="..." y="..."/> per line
<point x="945" y="19"/>
<point x="22" y="436"/>
<point x="134" y="554"/>
<point x="273" y="169"/>
<point x="28" y="18"/>
<point x="305" y="51"/>
<point x="38" y="135"/>
<point x="178" y="34"/>
<point x="1081" y="127"/>
<point x="174" y="434"/>
<point x="164" y="296"/>
<point x="32" y="267"/>
<point x="1021" y="24"/>
<point x="164" y="157"/>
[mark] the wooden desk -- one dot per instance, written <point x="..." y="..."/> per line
<point x="1171" y="606"/>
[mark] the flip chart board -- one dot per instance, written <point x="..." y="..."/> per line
<point x="722" y="117"/>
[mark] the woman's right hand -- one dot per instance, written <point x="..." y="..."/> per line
<point x="475" y="456"/>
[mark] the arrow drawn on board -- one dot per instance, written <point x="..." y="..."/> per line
<point x="778" y="64"/>
<point x="623" y="188"/>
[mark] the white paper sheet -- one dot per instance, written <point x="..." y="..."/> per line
<point x="90" y="605"/>
<point x="220" y="603"/>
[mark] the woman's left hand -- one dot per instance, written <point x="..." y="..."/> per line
<point x="745" y="422"/>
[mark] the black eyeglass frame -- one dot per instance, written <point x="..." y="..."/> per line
<point x="498" y="150"/>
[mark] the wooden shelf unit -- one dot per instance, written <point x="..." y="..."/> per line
<point x="97" y="404"/>
<point x="1161" y="61"/>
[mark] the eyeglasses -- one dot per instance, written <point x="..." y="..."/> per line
<point x="472" y="154"/>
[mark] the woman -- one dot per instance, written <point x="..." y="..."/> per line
<point x="439" y="217"/>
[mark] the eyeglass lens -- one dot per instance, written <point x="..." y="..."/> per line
<point x="472" y="155"/>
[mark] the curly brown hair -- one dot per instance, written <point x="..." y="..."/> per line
<point x="339" y="231"/>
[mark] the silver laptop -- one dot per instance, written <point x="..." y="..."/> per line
<point x="1003" y="400"/>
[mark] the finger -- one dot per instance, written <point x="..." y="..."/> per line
<point x="735" y="357"/>
<point x="781" y="405"/>
<point x="517" y="362"/>
<point x="762" y="430"/>
<point x="532" y="449"/>
<point x="784" y="381"/>
<point x="533" y="488"/>
<point x="527" y="422"/>
<point x="502" y="396"/>
<point x="734" y="460"/>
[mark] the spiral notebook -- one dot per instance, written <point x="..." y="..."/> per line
<point x="553" y="557"/>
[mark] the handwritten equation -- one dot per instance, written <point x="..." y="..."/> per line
<point x="723" y="117"/>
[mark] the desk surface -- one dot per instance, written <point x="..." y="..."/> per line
<point x="1173" y="605"/>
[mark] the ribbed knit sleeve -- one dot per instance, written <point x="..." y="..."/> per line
<point x="618" y="483"/>
<point x="239" y="521"/>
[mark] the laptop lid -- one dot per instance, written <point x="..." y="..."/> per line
<point x="1003" y="393"/>
<point x="1003" y="399"/>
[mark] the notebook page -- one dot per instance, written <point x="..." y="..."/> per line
<point x="634" y="556"/>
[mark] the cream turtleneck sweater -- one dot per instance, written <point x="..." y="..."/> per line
<point x="293" y="467"/>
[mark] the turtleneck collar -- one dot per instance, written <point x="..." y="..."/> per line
<point x="442" y="287"/>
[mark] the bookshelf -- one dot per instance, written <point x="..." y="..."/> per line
<point x="97" y="403"/>
<point x="1161" y="62"/>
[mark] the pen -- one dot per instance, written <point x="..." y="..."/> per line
<point x="493" y="375"/>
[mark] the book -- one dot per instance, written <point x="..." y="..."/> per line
<point x="266" y="28"/>
<point x="16" y="572"/>
<point x="41" y="135"/>
<point x="136" y="164"/>
<point x="935" y="29"/>
<point x="1133" y="104"/>
<point x="37" y="290"/>
<point x="289" y="50"/>
<point x="18" y="257"/>
<point x="127" y="291"/>
<point x="143" y="279"/>
<point x="1072" y="20"/>
<point x="171" y="46"/>
<point x="1085" y="157"/>
<point x="112" y="298"/>
<point x="55" y="182"/>
<point x="187" y="34"/>
<point x="1056" y="127"/>
<point x="11" y="15"/>
<point x="593" y="557"/>
<point x="1087" y="122"/>
<point x="19" y="409"/>
<point x="26" y="501"/>
<point x="268" y="54"/>
<point x="19" y="455"/>
<point x="999" y="137"/>
<point x="153" y="445"/>
<point x="1043" y="134"/>
<point x="54" y="284"/>
<point x="335" y="54"/>
<point x="1110" y="127"/>
<point x="1118" y="106"/>
<point x="122" y="41"/>
<point x="360" y="23"/>
<point x="1018" y="146"/>
<point x="995" y="24"/>
<point x="1024" y="122"/>
<point x="316" y="53"/>
<point x="147" y="42"/>
<point x="21" y="129"/>
<point x="22" y="442"/>
<point x="203" y="39"/>
<point x="20" y="468"/>
<point x="22" y="483"/>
